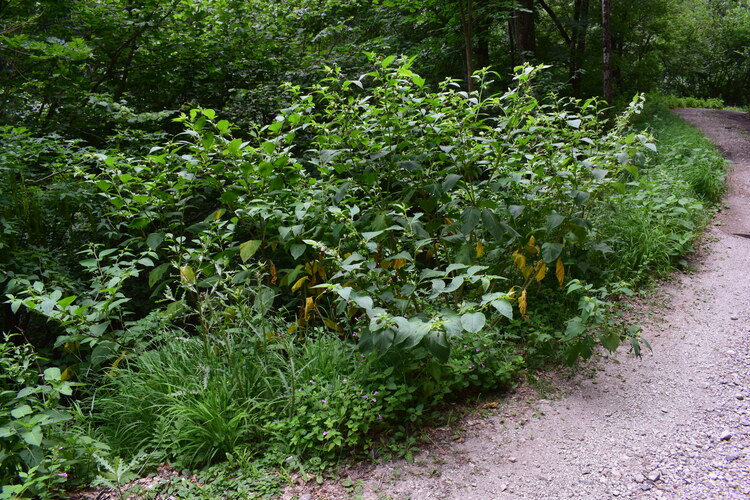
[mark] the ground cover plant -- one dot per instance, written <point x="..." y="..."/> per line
<point x="314" y="288"/>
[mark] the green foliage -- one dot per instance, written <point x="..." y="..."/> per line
<point x="321" y="285"/>
<point x="37" y="453"/>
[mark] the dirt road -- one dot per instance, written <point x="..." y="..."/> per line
<point x="674" y="424"/>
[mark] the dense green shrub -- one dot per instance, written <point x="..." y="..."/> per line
<point x="308" y="287"/>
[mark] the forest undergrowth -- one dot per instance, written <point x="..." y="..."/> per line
<point x="245" y="302"/>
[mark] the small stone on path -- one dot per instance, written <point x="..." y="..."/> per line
<point x="725" y="435"/>
<point x="654" y="475"/>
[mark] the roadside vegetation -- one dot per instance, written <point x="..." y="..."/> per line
<point x="242" y="239"/>
<point x="320" y="289"/>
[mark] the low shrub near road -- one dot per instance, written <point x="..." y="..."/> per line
<point x="320" y="286"/>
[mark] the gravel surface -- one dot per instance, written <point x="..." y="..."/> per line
<point x="674" y="424"/>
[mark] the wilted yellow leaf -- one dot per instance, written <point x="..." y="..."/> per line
<point x="299" y="283"/>
<point x="292" y="328"/>
<point x="187" y="275"/>
<point x="480" y="250"/>
<point x="66" y="374"/>
<point x="519" y="259"/>
<point x="71" y="347"/>
<point x="560" y="271"/>
<point x="385" y="264"/>
<point x="308" y="306"/>
<point x="399" y="263"/>
<point x="113" y="370"/>
<point x="541" y="270"/>
<point x="522" y="303"/>
<point x="331" y="324"/>
<point x="272" y="270"/>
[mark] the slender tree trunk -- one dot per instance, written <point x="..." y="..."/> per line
<point x="483" y="24"/>
<point x="607" y="50"/>
<point x="467" y="21"/>
<point x="524" y="29"/>
<point x="578" y="52"/>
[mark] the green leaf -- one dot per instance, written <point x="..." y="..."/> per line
<point x="363" y="301"/>
<point x="66" y="301"/>
<point x="503" y="307"/>
<point x="473" y="322"/>
<point x="34" y="436"/>
<point x="21" y="411"/>
<point x="156" y="274"/>
<point x="264" y="300"/>
<point x="470" y="219"/>
<point x="52" y="374"/>
<point x="154" y="240"/>
<point x="248" y="249"/>
<point x="387" y="61"/>
<point x="437" y="345"/>
<point x="454" y="285"/>
<point x="574" y="123"/>
<point x="551" y="251"/>
<point x="297" y="250"/>
<point x="553" y="221"/>
<point x="98" y="329"/>
<point x="610" y="341"/>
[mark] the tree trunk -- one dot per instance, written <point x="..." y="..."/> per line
<point x="467" y="22"/>
<point x="607" y="50"/>
<point x="578" y="52"/>
<point x="524" y="30"/>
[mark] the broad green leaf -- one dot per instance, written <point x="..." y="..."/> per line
<point x="98" y="329"/>
<point x="33" y="436"/>
<point x="66" y="301"/>
<point x="297" y="250"/>
<point x="21" y="411"/>
<point x="248" y="249"/>
<point x="455" y="284"/>
<point x="503" y="307"/>
<point x="473" y="322"/>
<point x="154" y="240"/>
<point x="610" y="341"/>
<point x="551" y="251"/>
<point x="553" y="221"/>
<point x="52" y="374"/>
<point x="156" y="274"/>
<point x="387" y="61"/>
<point x="470" y="219"/>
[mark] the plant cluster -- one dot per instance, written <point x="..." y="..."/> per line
<point x="319" y="286"/>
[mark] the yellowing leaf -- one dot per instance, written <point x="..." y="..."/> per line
<point x="331" y="324"/>
<point x="187" y="275"/>
<point x="480" y="250"/>
<point x="272" y="271"/>
<point x="219" y="213"/>
<point x="560" y="271"/>
<point x="399" y="263"/>
<point x="71" y="347"/>
<point x="541" y="270"/>
<point x="519" y="259"/>
<point x="309" y="304"/>
<point x="522" y="303"/>
<point x="532" y="242"/>
<point x="66" y="374"/>
<point x="299" y="283"/>
<point x="113" y="370"/>
<point x="385" y="264"/>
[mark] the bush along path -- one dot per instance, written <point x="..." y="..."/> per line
<point x="673" y="424"/>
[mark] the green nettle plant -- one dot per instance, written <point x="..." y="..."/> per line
<point x="339" y="272"/>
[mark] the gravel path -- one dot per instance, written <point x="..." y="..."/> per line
<point x="674" y="424"/>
